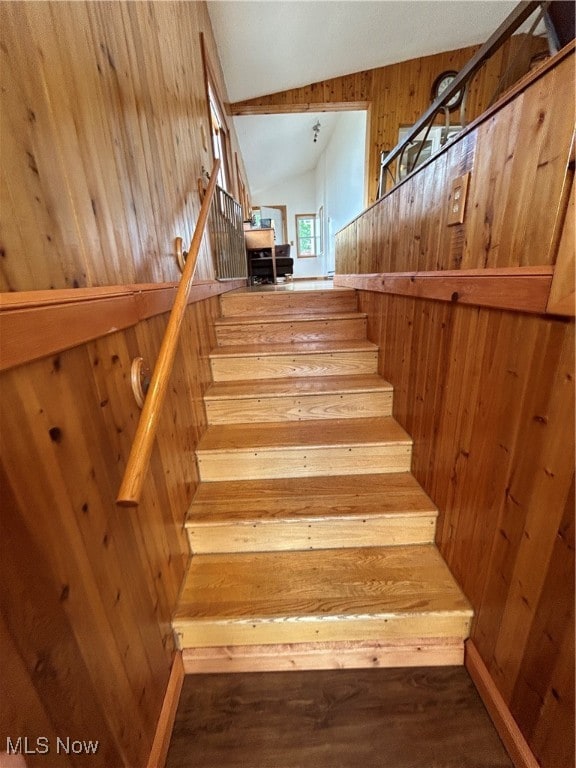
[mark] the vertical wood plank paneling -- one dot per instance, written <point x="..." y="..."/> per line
<point x="488" y="399"/>
<point x="101" y="120"/>
<point x="551" y="649"/>
<point x="44" y="215"/>
<point x="50" y="543"/>
<point x="21" y="705"/>
<point x="518" y="162"/>
<point x="102" y="117"/>
<point x="89" y="588"/>
<point x="539" y="478"/>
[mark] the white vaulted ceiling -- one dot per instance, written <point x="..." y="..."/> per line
<point x="272" y="45"/>
<point x="267" y="46"/>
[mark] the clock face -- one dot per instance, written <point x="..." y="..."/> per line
<point x="441" y="83"/>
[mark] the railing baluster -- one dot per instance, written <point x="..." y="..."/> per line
<point x="228" y="237"/>
<point x="520" y="13"/>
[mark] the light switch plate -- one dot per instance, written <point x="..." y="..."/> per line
<point x="457" y="200"/>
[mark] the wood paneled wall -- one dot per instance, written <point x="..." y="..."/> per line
<point x="517" y="158"/>
<point x="488" y="394"/>
<point x="104" y="127"/>
<point x="105" y="132"/>
<point x="396" y="95"/>
<point x="488" y="398"/>
<point x="88" y="589"/>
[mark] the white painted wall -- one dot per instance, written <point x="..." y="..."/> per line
<point x="298" y="194"/>
<point x="340" y="178"/>
<point x="336" y="184"/>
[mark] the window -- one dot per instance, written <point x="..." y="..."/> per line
<point x="219" y="134"/>
<point x="307" y="236"/>
<point x="220" y="139"/>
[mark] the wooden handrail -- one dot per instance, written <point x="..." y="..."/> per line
<point x="518" y="16"/>
<point x="139" y="458"/>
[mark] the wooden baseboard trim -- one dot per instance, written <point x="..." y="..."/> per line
<point x="159" y="751"/>
<point x="35" y="324"/>
<point x="520" y="289"/>
<point x="423" y="652"/>
<point x="511" y="736"/>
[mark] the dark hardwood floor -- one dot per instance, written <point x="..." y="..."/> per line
<point x="377" y="718"/>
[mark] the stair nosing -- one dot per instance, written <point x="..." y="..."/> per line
<point x="283" y="618"/>
<point x="268" y="319"/>
<point x="251" y="522"/>
<point x="380" y="385"/>
<point x="274" y="428"/>
<point x="297" y="348"/>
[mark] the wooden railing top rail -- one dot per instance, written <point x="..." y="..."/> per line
<point x="139" y="458"/>
<point x="518" y="16"/>
<point x="522" y="85"/>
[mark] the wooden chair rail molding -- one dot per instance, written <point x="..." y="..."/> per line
<point x="139" y="458"/>
<point x="522" y="289"/>
<point x="35" y="324"/>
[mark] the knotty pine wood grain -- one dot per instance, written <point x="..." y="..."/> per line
<point x="89" y="590"/>
<point x="316" y="302"/>
<point x="368" y="593"/>
<point x="102" y="141"/>
<point x="323" y="397"/>
<point x="551" y="648"/>
<point x="312" y="359"/>
<point x="396" y="95"/>
<point x="29" y="714"/>
<point x="562" y="294"/>
<point x="518" y="160"/>
<point x="310" y="513"/>
<point x="488" y="397"/>
<point x="523" y="289"/>
<point x="282" y="331"/>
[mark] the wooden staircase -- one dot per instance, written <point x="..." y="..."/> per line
<point x="313" y="545"/>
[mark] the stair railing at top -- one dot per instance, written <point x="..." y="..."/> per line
<point x="460" y="83"/>
<point x="227" y="237"/>
<point x="139" y="458"/>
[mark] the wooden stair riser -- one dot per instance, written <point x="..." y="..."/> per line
<point x="230" y="368"/>
<point x="287" y="657"/>
<point x="303" y="462"/>
<point x="401" y="628"/>
<point x="330" y="533"/>
<point x="299" y="408"/>
<point x="277" y="303"/>
<point x="290" y="331"/>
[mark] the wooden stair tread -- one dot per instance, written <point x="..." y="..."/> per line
<point x="306" y="526"/>
<point x="301" y="302"/>
<point x="250" y="389"/>
<point x="300" y="348"/>
<point x="303" y="434"/>
<point x="246" y="502"/>
<point x="226" y="320"/>
<point x="366" y="583"/>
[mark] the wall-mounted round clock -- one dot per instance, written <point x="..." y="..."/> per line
<point x="441" y="83"/>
